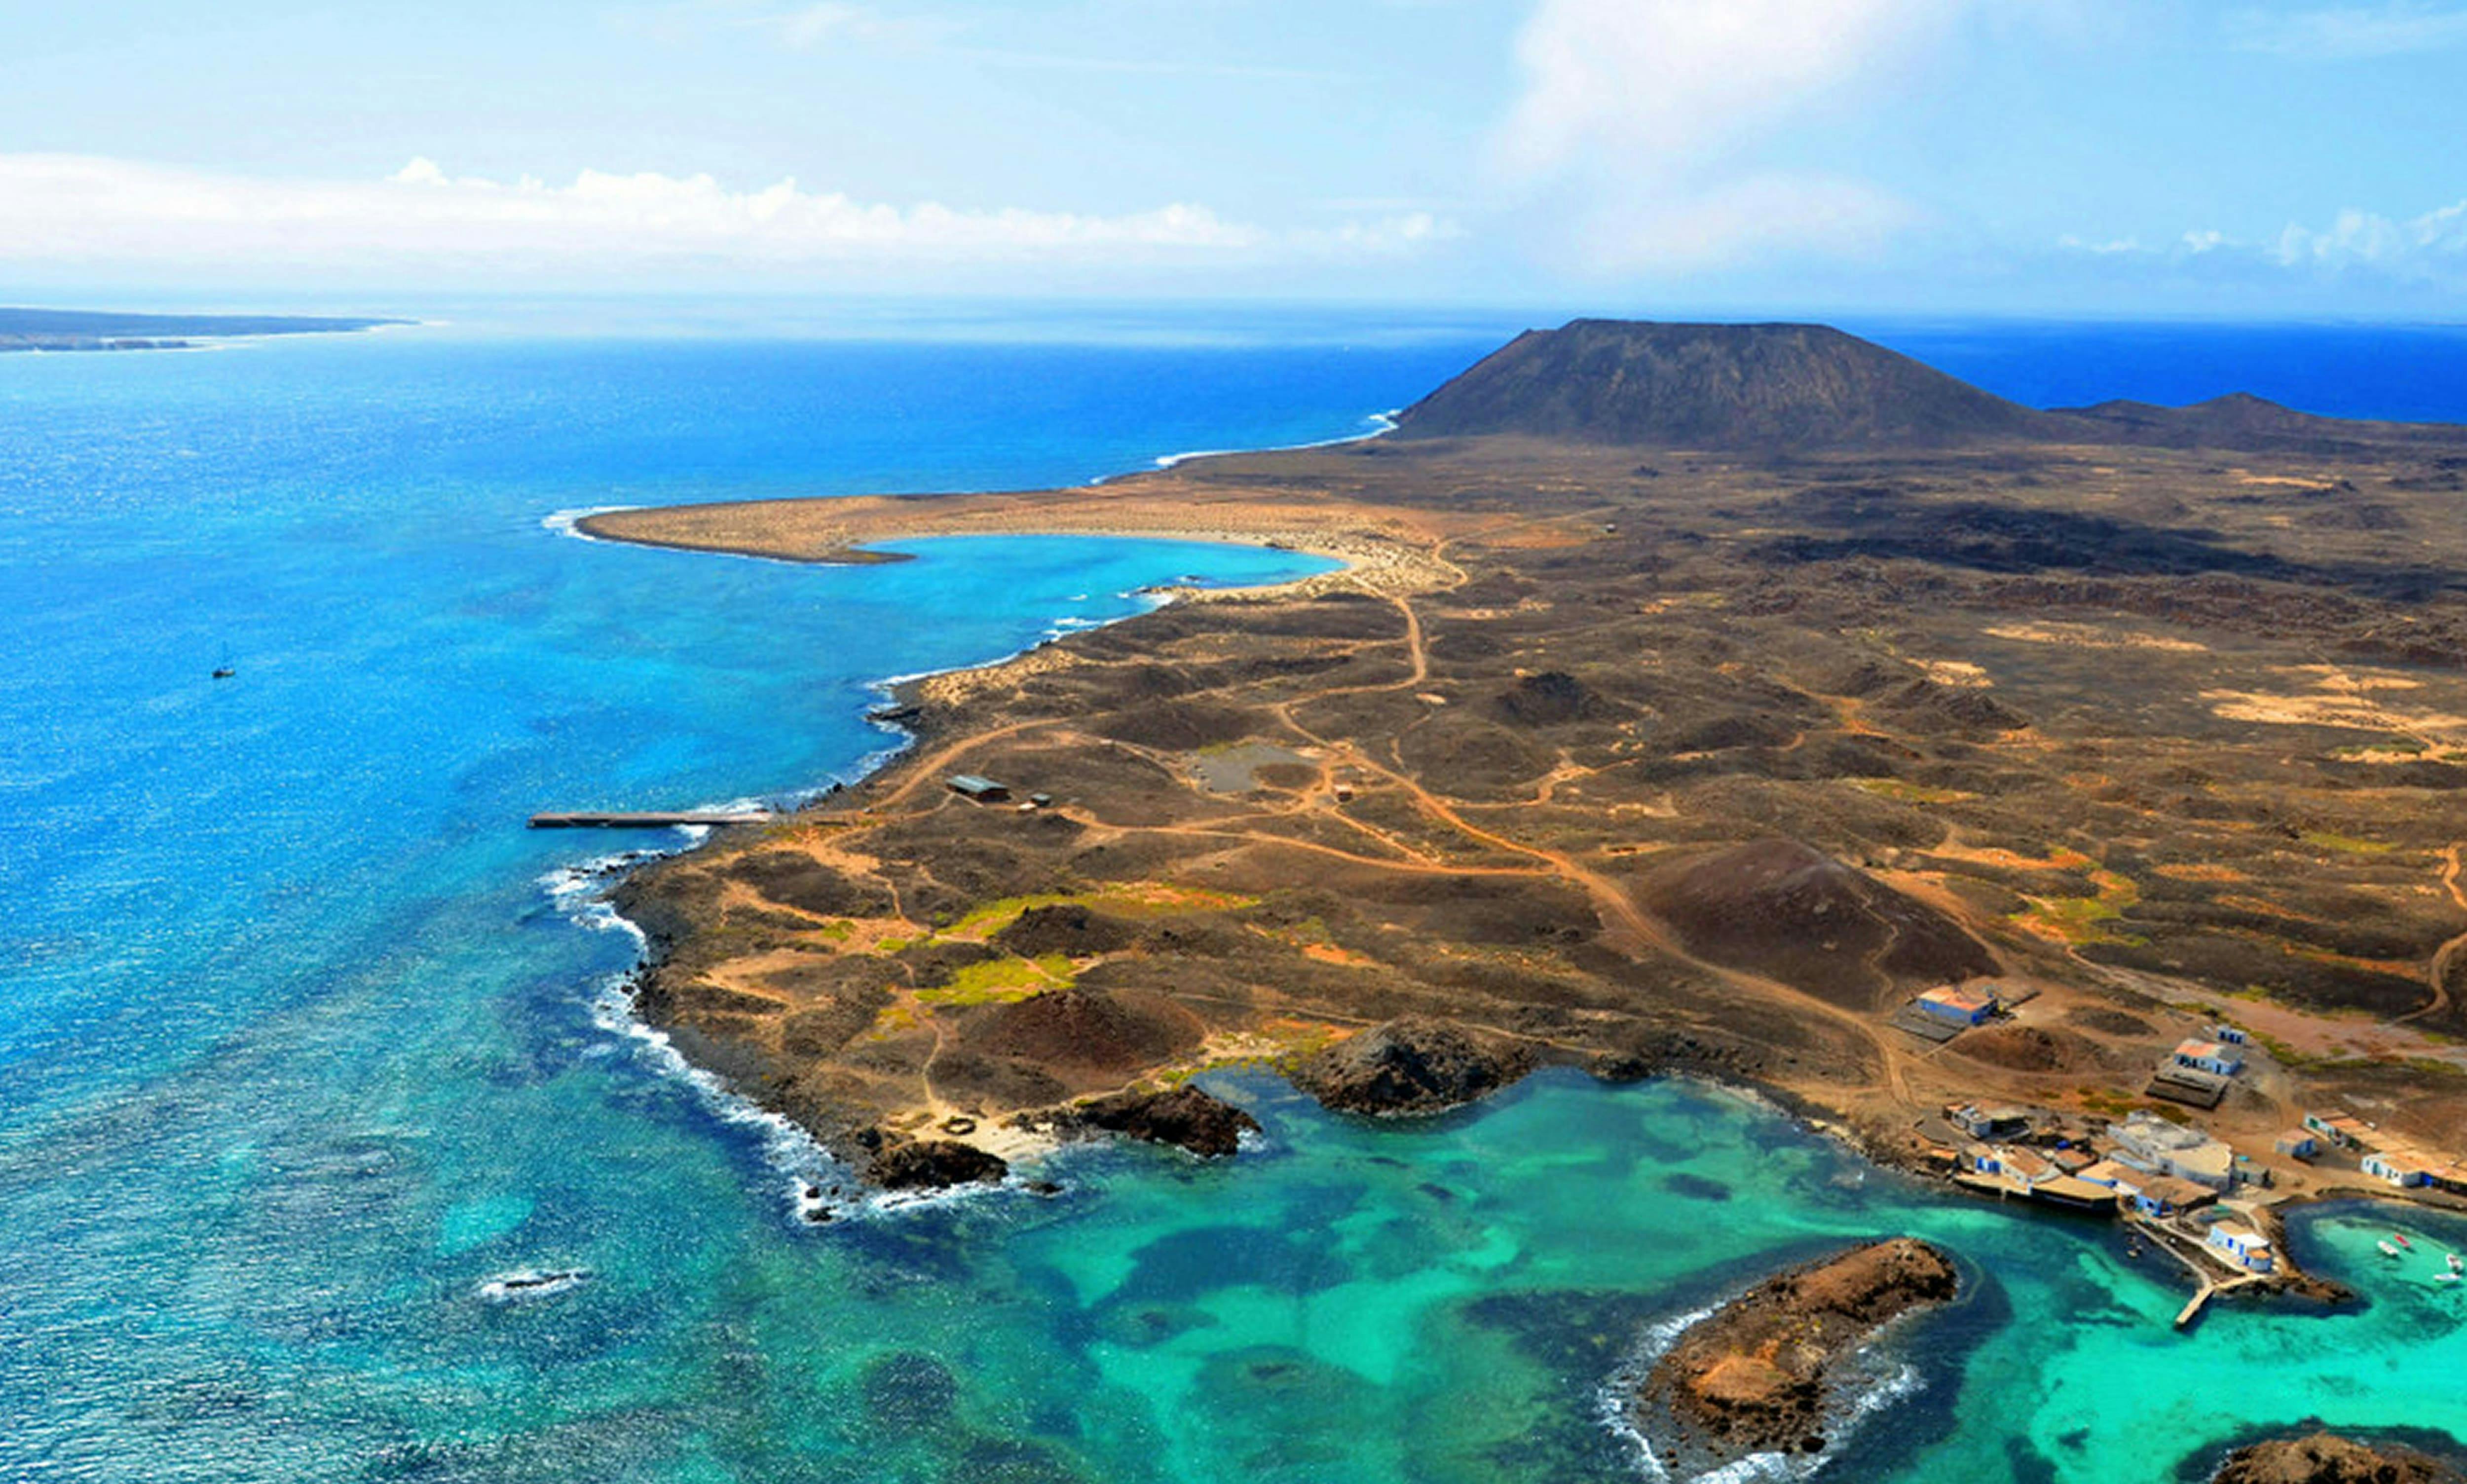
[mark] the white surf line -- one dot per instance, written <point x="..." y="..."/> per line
<point x="569" y="522"/>
<point x="1378" y="423"/>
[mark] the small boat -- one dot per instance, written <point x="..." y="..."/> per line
<point x="2400" y="1237"/>
<point x="2446" y="1277"/>
<point x="224" y="672"/>
<point x="2388" y="1250"/>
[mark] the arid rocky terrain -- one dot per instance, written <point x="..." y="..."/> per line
<point x="1695" y="696"/>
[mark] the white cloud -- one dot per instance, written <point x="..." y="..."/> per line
<point x="86" y="210"/>
<point x="2350" y="33"/>
<point x="1643" y="115"/>
<point x="817" y="24"/>
<point x="2427" y="249"/>
<point x="2111" y="248"/>
<point x="2433" y="244"/>
<point x="1663" y="80"/>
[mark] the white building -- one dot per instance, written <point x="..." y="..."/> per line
<point x="2245" y="1247"/>
<point x="2164" y="1148"/>
<point x="2400" y="1167"/>
<point x="2215" y="1057"/>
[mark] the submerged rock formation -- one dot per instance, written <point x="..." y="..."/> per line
<point x="1413" y="1065"/>
<point x="1184" y="1118"/>
<point x="1756" y="1375"/>
<point x="2326" y="1458"/>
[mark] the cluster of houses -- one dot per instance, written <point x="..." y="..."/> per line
<point x="2151" y="1168"/>
<point x="2390" y="1159"/>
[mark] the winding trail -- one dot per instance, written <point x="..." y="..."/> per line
<point x="2447" y="955"/>
<point x="1628" y="928"/>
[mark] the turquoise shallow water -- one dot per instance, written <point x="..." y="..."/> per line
<point x="298" y="1053"/>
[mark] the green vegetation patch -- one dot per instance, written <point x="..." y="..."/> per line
<point x="2080" y="920"/>
<point x="2344" y="845"/>
<point x="1134" y="899"/>
<point x="1905" y="792"/>
<point x="1000" y="979"/>
<point x="2413" y="746"/>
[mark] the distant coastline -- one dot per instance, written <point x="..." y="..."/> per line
<point x="85" y="330"/>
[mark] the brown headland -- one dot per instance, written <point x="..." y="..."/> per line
<point x="1692" y="697"/>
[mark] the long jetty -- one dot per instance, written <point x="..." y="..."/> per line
<point x="655" y="819"/>
<point x="2207" y="1283"/>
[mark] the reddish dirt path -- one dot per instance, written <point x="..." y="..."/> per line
<point x="1627" y="927"/>
<point x="2448" y="953"/>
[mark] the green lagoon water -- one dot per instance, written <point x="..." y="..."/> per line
<point x="300" y="1052"/>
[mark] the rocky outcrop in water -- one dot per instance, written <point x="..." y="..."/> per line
<point x="2326" y="1458"/>
<point x="935" y="1164"/>
<point x="1756" y="1375"/>
<point x="1411" y="1066"/>
<point x="1184" y="1118"/>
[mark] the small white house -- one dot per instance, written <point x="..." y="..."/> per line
<point x="2215" y="1057"/>
<point x="2344" y="1130"/>
<point x="2396" y="1167"/>
<point x="2245" y="1247"/>
<point x="2229" y="1034"/>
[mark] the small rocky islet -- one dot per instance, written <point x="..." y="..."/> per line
<point x="2328" y="1459"/>
<point x="1760" y="1374"/>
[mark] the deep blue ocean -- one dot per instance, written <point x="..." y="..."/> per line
<point x="300" y="1046"/>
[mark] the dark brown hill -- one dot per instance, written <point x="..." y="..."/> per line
<point x="1783" y="909"/>
<point x="1756" y="387"/>
<point x="1781" y="389"/>
<point x="2241" y="420"/>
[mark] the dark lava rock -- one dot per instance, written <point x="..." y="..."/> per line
<point x="1753" y="1376"/>
<point x="1791" y="912"/>
<point x="1185" y="1117"/>
<point x="2326" y="1458"/>
<point x="1414" y="1065"/>
<point x="1084" y="1030"/>
<point x="795" y="879"/>
<point x="1068" y="928"/>
<point x="935" y="1164"/>
<point x="1960" y="710"/>
<point x="1550" y="699"/>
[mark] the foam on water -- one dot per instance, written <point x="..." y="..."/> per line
<point x="529" y="1285"/>
<point x="1372" y="426"/>
<point x="569" y="522"/>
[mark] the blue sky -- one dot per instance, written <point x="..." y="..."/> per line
<point x="2019" y="156"/>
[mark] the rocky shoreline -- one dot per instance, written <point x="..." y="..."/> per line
<point x="2328" y="1459"/>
